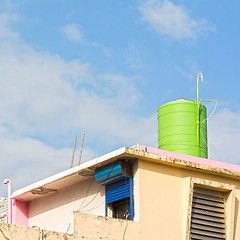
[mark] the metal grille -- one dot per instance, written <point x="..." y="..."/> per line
<point x="208" y="215"/>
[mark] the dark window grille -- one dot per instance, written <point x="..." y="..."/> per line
<point x="208" y="215"/>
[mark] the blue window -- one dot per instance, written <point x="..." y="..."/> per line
<point x="119" y="199"/>
<point x="118" y="181"/>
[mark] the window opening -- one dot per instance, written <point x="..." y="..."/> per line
<point x="121" y="209"/>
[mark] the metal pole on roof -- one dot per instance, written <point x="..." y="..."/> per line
<point x="198" y="115"/>
<point x="80" y="156"/>
<point x="198" y="76"/>
<point x="73" y="151"/>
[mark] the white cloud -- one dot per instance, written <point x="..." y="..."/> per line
<point x="73" y="32"/>
<point x="172" y="20"/>
<point x="45" y="99"/>
<point x="28" y="160"/>
<point x="45" y="94"/>
<point x="224" y="136"/>
<point x="37" y="88"/>
<point x="5" y="21"/>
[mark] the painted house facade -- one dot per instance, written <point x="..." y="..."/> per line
<point x="171" y="195"/>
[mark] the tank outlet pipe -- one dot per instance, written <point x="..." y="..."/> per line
<point x="213" y="101"/>
<point x="9" y="182"/>
<point x="200" y="76"/>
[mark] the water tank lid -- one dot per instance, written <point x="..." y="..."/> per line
<point x="181" y="99"/>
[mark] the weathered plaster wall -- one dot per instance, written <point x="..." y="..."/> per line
<point x="87" y="227"/>
<point x="13" y="232"/>
<point x="165" y="193"/>
<point x="106" y="228"/>
<point x="54" y="212"/>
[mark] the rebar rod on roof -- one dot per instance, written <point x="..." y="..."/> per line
<point x="73" y="151"/>
<point x="81" y="149"/>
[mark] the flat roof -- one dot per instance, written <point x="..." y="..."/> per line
<point x="86" y="170"/>
<point x="66" y="178"/>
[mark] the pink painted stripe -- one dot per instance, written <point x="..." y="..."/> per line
<point x="204" y="161"/>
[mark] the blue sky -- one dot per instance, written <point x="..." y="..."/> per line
<point x="104" y="67"/>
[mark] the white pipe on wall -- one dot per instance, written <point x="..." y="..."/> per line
<point x="9" y="182"/>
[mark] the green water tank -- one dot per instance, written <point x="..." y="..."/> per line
<point x="182" y="128"/>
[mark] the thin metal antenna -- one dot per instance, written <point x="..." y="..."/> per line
<point x="81" y="149"/>
<point x="198" y="76"/>
<point x="73" y="151"/>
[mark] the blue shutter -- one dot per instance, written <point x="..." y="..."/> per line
<point x="109" y="173"/>
<point x="113" y="172"/>
<point x="120" y="190"/>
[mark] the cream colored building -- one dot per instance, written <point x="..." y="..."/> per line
<point x="171" y="195"/>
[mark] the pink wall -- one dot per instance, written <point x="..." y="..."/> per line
<point x="20" y="212"/>
<point x="209" y="162"/>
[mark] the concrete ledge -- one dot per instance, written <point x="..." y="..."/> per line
<point x="14" y="232"/>
<point x="87" y="227"/>
<point x="105" y="228"/>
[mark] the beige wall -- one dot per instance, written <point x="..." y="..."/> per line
<point x="165" y="200"/>
<point x="54" y="212"/>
